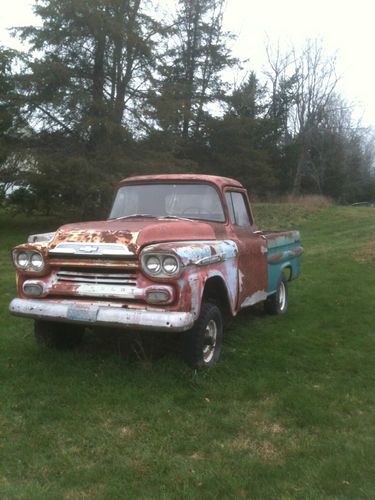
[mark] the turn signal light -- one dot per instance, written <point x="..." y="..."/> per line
<point x="158" y="297"/>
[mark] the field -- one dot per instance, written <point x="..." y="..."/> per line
<point x="289" y="412"/>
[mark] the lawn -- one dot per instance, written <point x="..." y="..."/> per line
<point x="288" y="412"/>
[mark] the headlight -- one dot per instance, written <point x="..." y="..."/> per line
<point x="170" y="265"/>
<point x="37" y="261"/>
<point x="153" y="264"/>
<point x="160" y="265"/>
<point x="22" y="260"/>
<point x="28" y="260"/>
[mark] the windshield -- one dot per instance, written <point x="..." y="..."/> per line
<point x="189" y="201"/>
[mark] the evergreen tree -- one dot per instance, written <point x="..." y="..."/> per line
<point x="191" y="76"/>
<point x="91" y="63"/>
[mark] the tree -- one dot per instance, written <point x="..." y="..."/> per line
<point x="191" y="71"/>
<point x="243" y="142"/>
<point x="97" y="58"/>
<point x="316" y="82"/>
<point x="9" y="120"/>
<point x="80" y="89"/>
<point x="302" y="86"/>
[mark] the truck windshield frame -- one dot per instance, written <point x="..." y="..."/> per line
<point x="193" y="201"/>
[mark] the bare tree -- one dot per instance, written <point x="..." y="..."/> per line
<point x="316" y="81"/>
<point x="276" y="74"/>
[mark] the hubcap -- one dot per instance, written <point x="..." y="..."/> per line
<point x="282" y="296"/>
<point x="209" y="342"/>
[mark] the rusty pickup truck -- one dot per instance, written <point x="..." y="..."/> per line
<point x="178" y="253"/>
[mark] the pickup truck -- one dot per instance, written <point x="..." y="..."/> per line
<point x="178" y="253"/>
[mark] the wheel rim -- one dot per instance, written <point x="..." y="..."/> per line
<point x="209" y="342"/>
<point x="282" y="296"/>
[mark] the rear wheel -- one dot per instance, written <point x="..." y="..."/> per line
<point x="278" y="302"/>
<point x="203" y="342"/>
<point x="58" y="335"/>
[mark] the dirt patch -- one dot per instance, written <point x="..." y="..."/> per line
<point x="266" y="450"/>
<point x="93" y="492"/>
<point x="275" y="428"/>
<point x="257" y="419"/>
<point x="264" y="427"/>
<point x="366" y="253"/>
<point x="126" y="432"/>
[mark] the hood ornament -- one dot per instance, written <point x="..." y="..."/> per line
<point x="88" y="249"/>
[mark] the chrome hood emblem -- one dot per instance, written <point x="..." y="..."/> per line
<point x="104" y="249"/>
<point x="88" y="249"/>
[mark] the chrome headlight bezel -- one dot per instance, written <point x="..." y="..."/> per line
<point x="29" y="256"/>
<point x="161" y="271"/>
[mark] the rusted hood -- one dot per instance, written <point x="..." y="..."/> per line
<point x="136" y="233"/>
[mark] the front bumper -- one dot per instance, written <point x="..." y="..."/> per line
<point x="93" y="314"/>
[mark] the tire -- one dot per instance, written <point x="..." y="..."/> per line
<point x="278" y="302"/>
<point x="60" y="336"/>
<point x="203" y="342"/>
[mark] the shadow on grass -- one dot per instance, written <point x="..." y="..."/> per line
<point x="130" y="345"/>
<point x="147" y="347"/>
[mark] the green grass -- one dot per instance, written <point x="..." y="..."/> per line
<point x="289" y="412"/>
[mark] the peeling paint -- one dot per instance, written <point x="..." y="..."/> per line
<point x="241" y="277"/>
<point x="198" y="252"/>
<point x="255" y="298"/>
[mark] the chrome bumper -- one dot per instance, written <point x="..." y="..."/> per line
<point x="93" y="314"/>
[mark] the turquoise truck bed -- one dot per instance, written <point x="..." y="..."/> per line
<point x="284" y="252"/>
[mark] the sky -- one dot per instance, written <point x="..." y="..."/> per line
<point x="346" y="28"/>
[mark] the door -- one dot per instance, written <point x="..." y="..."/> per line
<point x="252" y="247"/>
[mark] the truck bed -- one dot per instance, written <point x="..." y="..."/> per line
<point x="284" y="249"/>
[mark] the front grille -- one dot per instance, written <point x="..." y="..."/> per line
<point x="97" y="277"/>
<point x="91" y="263"/>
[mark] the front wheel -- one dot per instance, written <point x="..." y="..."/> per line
<point x="278" y="302"/>
<point x="203" y="342"/>
<point x="58" y="335"/>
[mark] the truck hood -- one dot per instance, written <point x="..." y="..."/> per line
<point x="134" y="234"/>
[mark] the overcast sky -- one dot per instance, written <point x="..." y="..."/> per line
<point x="345" y="27"/>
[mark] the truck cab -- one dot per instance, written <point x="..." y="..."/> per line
<point x="177" y="253"/>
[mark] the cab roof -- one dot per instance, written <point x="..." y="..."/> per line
<point x="220" y="182"/>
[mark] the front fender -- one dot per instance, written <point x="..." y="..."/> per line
<point x="202" y="260"/>
<point x="226" y="272"/>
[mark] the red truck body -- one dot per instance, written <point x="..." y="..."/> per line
<point x="157" y="271"/>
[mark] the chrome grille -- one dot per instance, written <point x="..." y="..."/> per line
<point x="96" y="277"/>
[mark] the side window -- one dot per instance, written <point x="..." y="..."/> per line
<point x="228" y="197"/>
<point x="237" y="209"/>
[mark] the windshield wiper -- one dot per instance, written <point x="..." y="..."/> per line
<point x="161" y="217"/>
<point x="134" y="215"/>
<point x="174" y="217"/>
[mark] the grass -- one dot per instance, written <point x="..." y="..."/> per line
<point x="289" y="412"/>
